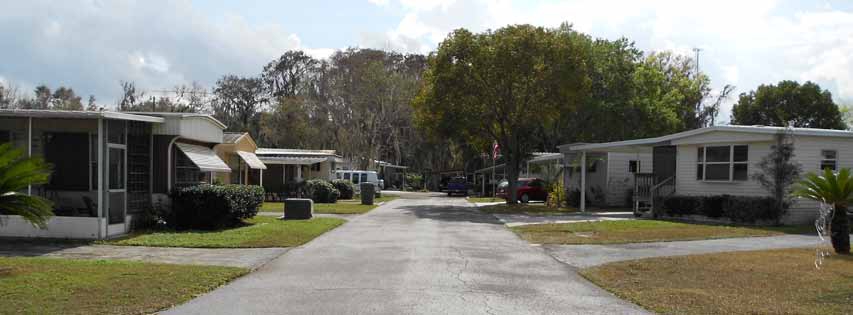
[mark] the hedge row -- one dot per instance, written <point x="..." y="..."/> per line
<point x="321" y="191"/>
<point x="211" y="207"/>
<point x="345" y="187"/>
<point x="744" y="209"/>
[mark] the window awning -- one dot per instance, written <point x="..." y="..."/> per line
<point x="203" y="157"/>
<point x="252" y="160"/>
<point x="292" y="160"/>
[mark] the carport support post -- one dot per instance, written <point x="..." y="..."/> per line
<point x="583" y="181"/>
<point x="261" y="177"/>
<point x="30" y="148"/>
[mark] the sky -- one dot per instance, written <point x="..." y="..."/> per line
<point x="93" y="45"/>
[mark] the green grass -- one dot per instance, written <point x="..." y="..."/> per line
<point x="69" y="286"/>
<point x="639" y="231"/>
<point x="352" y="206"/>
<point x="534" y="209"/>
<point x="261" y="232"/>
<point x="755" y="282"/>
<point x="485" y="199"/>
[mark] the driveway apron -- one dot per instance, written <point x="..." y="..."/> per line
<point x="413" y="256"/>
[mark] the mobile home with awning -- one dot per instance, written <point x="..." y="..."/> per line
<point x="288" y="167"/>
<point x="109" y="166"/>
<point x="238" y="151"/>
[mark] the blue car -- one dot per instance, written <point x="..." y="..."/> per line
<point x="457" y="186"/>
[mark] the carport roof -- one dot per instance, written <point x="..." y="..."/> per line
<point x="77" y="114"/>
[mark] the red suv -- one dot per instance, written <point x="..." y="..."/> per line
<point x="528" y="189"/>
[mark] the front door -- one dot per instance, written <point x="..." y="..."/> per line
<point x="116" y="189"/>
<point x="663" y="162"/>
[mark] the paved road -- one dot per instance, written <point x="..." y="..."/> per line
<point x="415" y="255"/>
<point x="590" y="255"/>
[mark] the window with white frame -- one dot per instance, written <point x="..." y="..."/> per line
<point x="633" y="166"/>
<point x="829" y="159"/>
<point x="722" y="163"/>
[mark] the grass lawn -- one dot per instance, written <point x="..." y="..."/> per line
<point x="530" y="209"/>
<point x="70" y="286"/>
<point x="638" y="231"/>
<point x="758" y="282"/>
<point x="351" y="206"/>
<point x="485" y="199"/>
<point x="261" y="232"/>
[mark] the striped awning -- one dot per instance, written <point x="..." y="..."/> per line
<point x="203" y="157"/>
<point x="252" y="160"/>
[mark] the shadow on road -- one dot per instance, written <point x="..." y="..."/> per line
<point x="450" y="214"/>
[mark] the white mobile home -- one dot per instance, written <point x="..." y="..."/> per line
<point x="721" y="160"/>
<point x="609" y="175"/>
<point x="109" y="166"/>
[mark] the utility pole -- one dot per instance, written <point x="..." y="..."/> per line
<point x="697" y="50"/>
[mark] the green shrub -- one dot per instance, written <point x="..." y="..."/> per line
<point x="741" y="209"/>
<point x="682" y="205"/>
<point x="751" y="209"/>
<point x="210" y="207"/>
<point x="712" y="206"/>
<point x="574" y="198"/>
<point x="321" y="191"/>
<point x="345" y="187"/>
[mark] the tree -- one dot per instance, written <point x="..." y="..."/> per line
<point x="836" y="190"/>
<point x="130" y="98"/>
<point x="288" y="125"/>
<point x="238" y="102"/>
<point x="92" y="104"/>
<point x="788" y="104"/>
<point x="16" y="173"/>
<point x="286" y="75"/>
<point x="8" y="96"/>
<point x="498" y="85"/>
<point x="65" y="99"/>
<point x="779" y="170"/>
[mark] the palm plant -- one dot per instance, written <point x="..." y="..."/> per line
<point x="834" y="189"/>
<point x="16" y="173"/>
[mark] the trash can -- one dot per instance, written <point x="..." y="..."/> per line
<point x="368" y="192"/>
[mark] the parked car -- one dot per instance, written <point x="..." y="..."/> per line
<point x="457" y="185"/>
<point x="528" y="189"/>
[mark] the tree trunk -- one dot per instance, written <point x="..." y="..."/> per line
<point x="840" y="230"/>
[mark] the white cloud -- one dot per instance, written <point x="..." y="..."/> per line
<point x="92" y="45"/>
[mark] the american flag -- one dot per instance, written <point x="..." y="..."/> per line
<point x="496" y="150"/>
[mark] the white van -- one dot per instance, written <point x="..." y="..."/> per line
<point x="358" y="177"/>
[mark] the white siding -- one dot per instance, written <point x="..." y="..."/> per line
<point x="620" y="182"/>
<point x="807" y="152"/>
<point x="193" y="128"/>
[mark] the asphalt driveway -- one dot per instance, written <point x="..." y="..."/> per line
<point x="417" y="255"/>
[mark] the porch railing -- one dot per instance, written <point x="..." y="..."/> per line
<point x="665" y="188"/>
<point x="647" y="191"/>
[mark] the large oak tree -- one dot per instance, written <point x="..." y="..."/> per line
<point x="502" y="86"/>
<point x="788" y="104"/>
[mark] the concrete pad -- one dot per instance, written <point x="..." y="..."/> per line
<point x="251" y="258"/>
<point x="583" y="256"/>
<point x="413" y="256"/>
